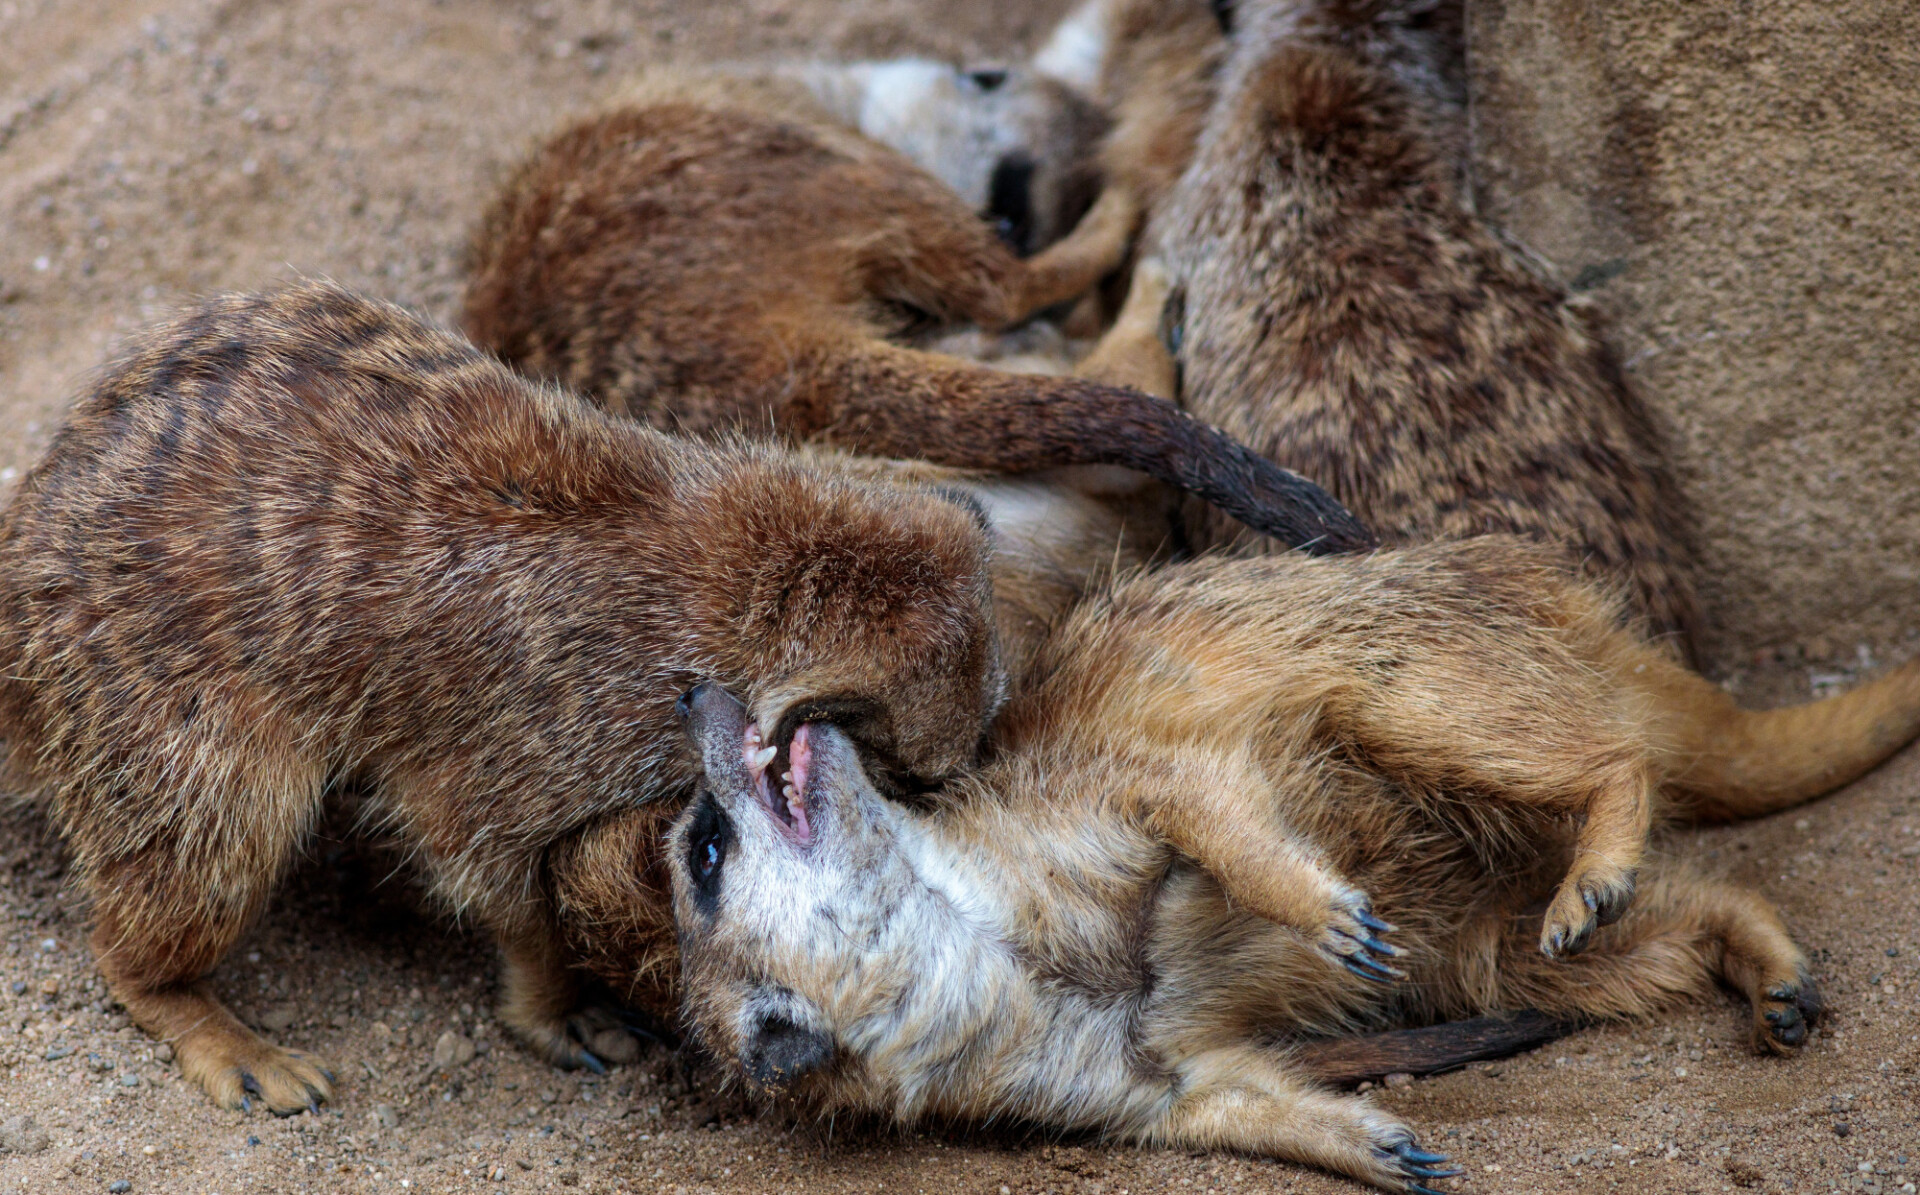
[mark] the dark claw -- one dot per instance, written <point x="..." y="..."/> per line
<point x="1379" y="947"/>
<point x="591" y="1063"/>
<point x="1425" y="1172"/>
<point x="1420" y="1157"/>
<point x="313" y="1105"/>
<point x="635" y="1025"/>
<point x="1373" y="923"/>
<point x="1366" y="968"/>
<point x="329" y="1075"/>
<point x="249" y="1084"/>
<point x="246" y="1105"/>
<point x="1784" y="1017"/>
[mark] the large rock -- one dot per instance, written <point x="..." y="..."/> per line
<point x="1734" y="184"/>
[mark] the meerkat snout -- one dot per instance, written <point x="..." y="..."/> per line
<point x="778" y="1045"/>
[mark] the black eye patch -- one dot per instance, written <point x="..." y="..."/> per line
<point x="988" y="79"/>
<point x="709" y="838"/>
<point x="1010" y="201"/>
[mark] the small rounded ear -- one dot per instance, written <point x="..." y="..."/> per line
<point x="779" y="1052"/>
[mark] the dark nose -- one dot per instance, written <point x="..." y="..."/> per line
<point x="684" y="706"/>
<point x="987" y="79"/>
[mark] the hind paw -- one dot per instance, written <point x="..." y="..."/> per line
<point x="1406" y="1166"/>
<point x="1783" y="1016"/>
<point x="1599" y="895"/>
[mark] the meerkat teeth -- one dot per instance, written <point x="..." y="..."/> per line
<point x="761" y="758"/>
<point x="786" y="790"/>
<point x="787" y="775"/>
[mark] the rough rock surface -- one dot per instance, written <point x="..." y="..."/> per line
<point x="1733" y="186"/>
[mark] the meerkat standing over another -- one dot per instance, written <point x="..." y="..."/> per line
<point x="712" y="254"/>
<point x="1343" y="311"/>
<point x="1252" y="802"/>
<point x="302" y="539"/>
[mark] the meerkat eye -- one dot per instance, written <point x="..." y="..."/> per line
<point x="988" y="79"/>
<point x="708" y="840"/>
<point x="708" y="854"/>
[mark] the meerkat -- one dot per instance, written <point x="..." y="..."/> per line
<point x="1253" y="803"/>
<point x="710" y="256"/>
<point x="1343" y="311"/>
<point x="1017" y="146"/>
<point x="301" y="540"/>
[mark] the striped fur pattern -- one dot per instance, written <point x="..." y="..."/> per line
<point x="301" y="541"/>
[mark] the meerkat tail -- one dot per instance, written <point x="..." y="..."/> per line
<point x="1727" y="763"/>
<point x="892" y="401"/>
<point x="1430" y="1049"/>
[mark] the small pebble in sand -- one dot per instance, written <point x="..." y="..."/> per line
<point x="48" y="946"/>
<point x="1843" y="1129"/>
<point x="18" y="987"/>
<point x="384" y="1116"/>
<point x="20" y="1135"/>
<point x="452" y="1050"/>
<point x="118" y="1185"/>
<point x="129" y="1079"/>
<point x="163" y="1053"/>
<point x="50" y="986"/>
<point x="1397" y="1080"/>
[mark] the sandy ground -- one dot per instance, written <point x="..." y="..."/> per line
<point x="152" y="150"/>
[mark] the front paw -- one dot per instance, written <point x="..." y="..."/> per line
<point x="1596" y="895"/>
<point x="587" y="1039"/>
<point x="1355" y="938"/>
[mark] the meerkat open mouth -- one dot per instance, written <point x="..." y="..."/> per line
<point x="789" y="805"/>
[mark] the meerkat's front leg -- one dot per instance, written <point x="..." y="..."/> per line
<point x="1229" y="825"/>
<point x="1244" y="1099"/>
<point x="1134" y="352"/>
<point x="542" y="1006"/>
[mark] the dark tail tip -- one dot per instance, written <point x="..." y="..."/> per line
<point x="1432" y="1049"/>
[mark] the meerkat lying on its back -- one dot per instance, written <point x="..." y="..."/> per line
<point x="1251" y="801"/>
<point x="710" y="256"/>
<point x="303" y="538"/>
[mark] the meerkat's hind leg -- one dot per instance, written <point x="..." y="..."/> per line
<point x="161" y="921"/>
<point x="1683" y="934"/>
<point x="1248" y="1100"/>
<point x="230" y="1062"/>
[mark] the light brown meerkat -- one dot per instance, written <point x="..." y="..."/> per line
<point x="302" y="538"/>
<point x="711" y="256"/>
<point x="1252" y="802"/>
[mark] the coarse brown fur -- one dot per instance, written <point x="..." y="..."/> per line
<point x="1179" y="856"/>
<point x="1345" y="313"/>
<point x="303" y="540"/>
<point x="706" y="259"/>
